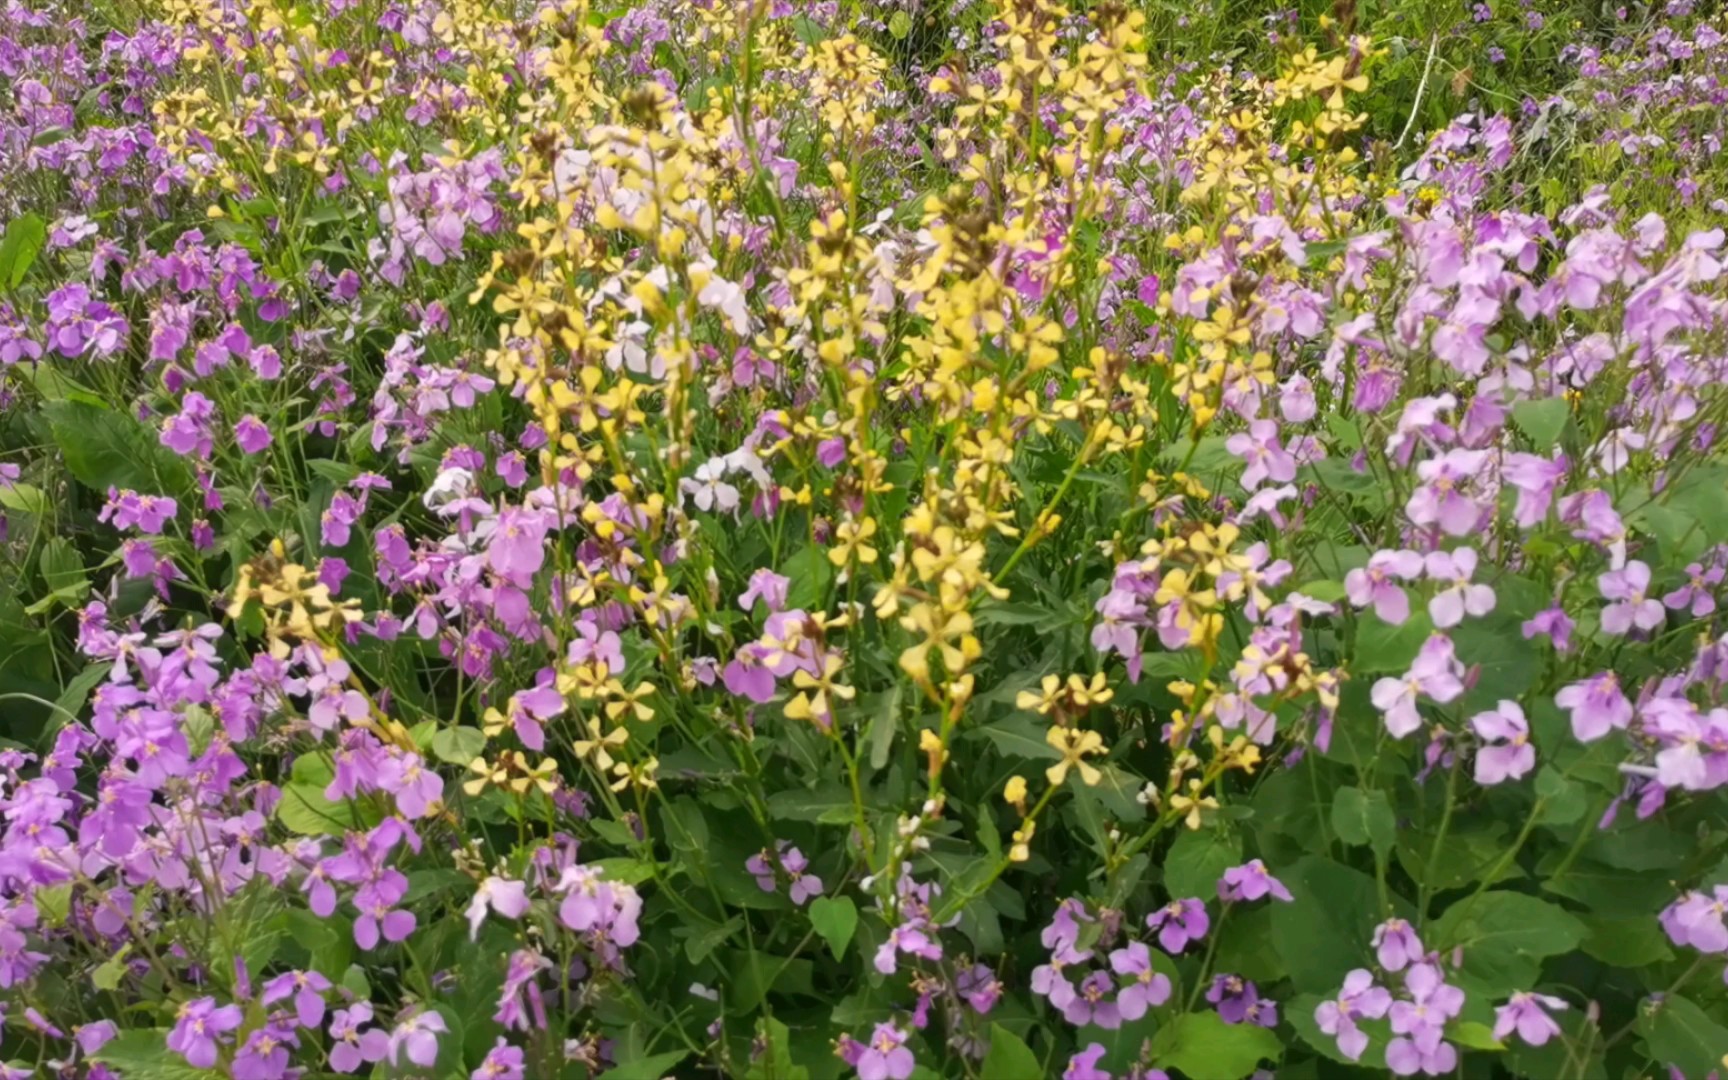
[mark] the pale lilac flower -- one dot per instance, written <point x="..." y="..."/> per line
<point x="1460" y="596"/>
<point x="1506" y="753"/>
<point x="885" y="1056"/>
<point x="1178" y="923"/>
<point x="1697" y="594"/>
<point x="1596" y="706"/>
<point x="1250" y="882"/>
<point x="1266" y="457"/>
<point x="1396" y="944"/>
<point x="1536" y="480"/>
<point x="1628" y="586"/>
<point x="1696" y="920"/>
<point x="507" y="898"/>
<point x="198" y="1026"/>
<point x="1526" y="1014"/>
<point x="1147" y="987"/>
<point x="1439" y="499"/>
<point x="1092" y="1003"/>
<point x="1375" y="584"/>
<point x="251" y="434"/>
<point x="1084" y="1064"/>
<point x="417" y="1036"/>
<point x="1435" y="672"/>
<point x="1359" y="999"/>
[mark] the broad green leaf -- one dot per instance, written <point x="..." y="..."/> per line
<point x="143" y="1054"/>
<point x="24" y="499"/>
<point x="1364" y="818"/>
<point x="1382" y="648"/>
<point x="1020" y="735"/>
<point x="1204" y="1047"/>
<point x="1324" y="932"/>
<point x="19" y="246"/>
<point x="810" y="572"/>
<point x="53" y="904"/>
<point x="1197" y="860"/>
<point x="458" y="745"/>
<point x="1009" y="1057"/>
<point x="1542" y="421"/>
<point x="1473" y="1034"/>
<point x="1681" y="1034"/>
<point x="106" y="449"/>
<point x="1505" y="935"/>
<point x="836" y="919"/>
<point x="112" y="970"/>
<point x="1564" y="800"/>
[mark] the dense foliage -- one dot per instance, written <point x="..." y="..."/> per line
<point x="770" y="539"/>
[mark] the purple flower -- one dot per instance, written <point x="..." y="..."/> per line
<point x="885" y="1056"/>
<point x="503" y="1062"/>
<point x="1697" y="593"/>
<point x="1435" y="672"/>
<point x="1460" y="597"/>
<point x="1234" y="997"/>
<point x="417" y="1036"/>
<point x="1506" y="753"/>
<point x="1178" y="923"/>
<point x="1536" y="479"/>
<point x="1092" y="1003"/>
<point x="1439" y="500"/>
<point x="264" y="1056"/>
<point x="1084" y="1064"/>
<point x="1266" y="458"/>
<point x="517" y="547"/>
<point x="1359" y="999"/>
<point x="1552" y="623"/>
<point x="1696" y="920"/>
<point x="307" y="989"/>
<point x="979" y="987"/>
<point x="1250" y="882"/>
<point x="1628" y="586"/>
<point x="250" y="434"/>
<point x="1377" y="584"/>
<point x="1396" y="944"/>
<point x="507" y="898"/>
<point x="1526" y="1014"/>
<point x="198" y="1026"/>
<point x="1420" y="1023"/>
<point x="1596" y="706"/>
<point x="1147" y="988"/>
<point x="767" y="586"/>
<point x="350" y="1047"/>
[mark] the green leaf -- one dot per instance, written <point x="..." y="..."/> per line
<point x="1542" y="421"/>
<point x="655" y="1067"/>
<point x="836" y="919"/>
<point x="305" y="811"/>
<point x="1475" y="1035"/>
<point x="884" y="719"/>
<point x="1197" y="860"/>
<point x="1204" y="1047"/>
<point x="1324" y="932"/>
<point x="698" y="945"/>
<point x="1681" y="1034"/>
<point x="1020" y="735"/>
<point x="1364" y="818"/>
<point x="106" y="449"/>
<point x="113" y="969"/>
<point x="810" y="572"/>
<point x="1625" y="941"/>
<point x="1564" y="800"/>
<point x="628" y="871"/>
<point x="1009" y="1057"/>
<point x="458" y="745"/>
<point x="1505" y="935"/>
<point x="143" y="1054"/>
<point x="19" y="247"/>
<point x="78" y="691"/>
<point x="53" y="904"/>
<point x="900" y="25"/>
<point x="1382" y="648"/>
<point x="24" y="499"/>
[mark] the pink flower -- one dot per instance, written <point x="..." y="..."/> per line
<point x="1440" y="499"/>
<point x="1525" y="1013"/>
<point x="1436" y="673"/>
<point x="1460" y="597"/>
<point x="1506" y="753"/>
<point x="517" y="547"/>
<point x="1375" y="584"/>
<point x="1596" y="705"/>
<point x="1629" y="587"/>
<point x="417" y="1035"/>
<point x="507" y="898"/>
<point x="251" y="434"/>
<point x="1259" y="446"/>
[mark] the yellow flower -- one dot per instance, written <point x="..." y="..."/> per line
<point x="486" y="774"/>
<point x="629" y="701"/>
<point x="1015" y="793"/>
<point x="1041" y="703"/>
<point x="1192" y="804"/>
<point x="1019" y="851"/>
<point x="598" y="745"/>
<point x="1074" y="745"/>
<point x="850" y="539"/>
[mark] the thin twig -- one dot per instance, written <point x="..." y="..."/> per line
<point x="1421" y="89"/>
